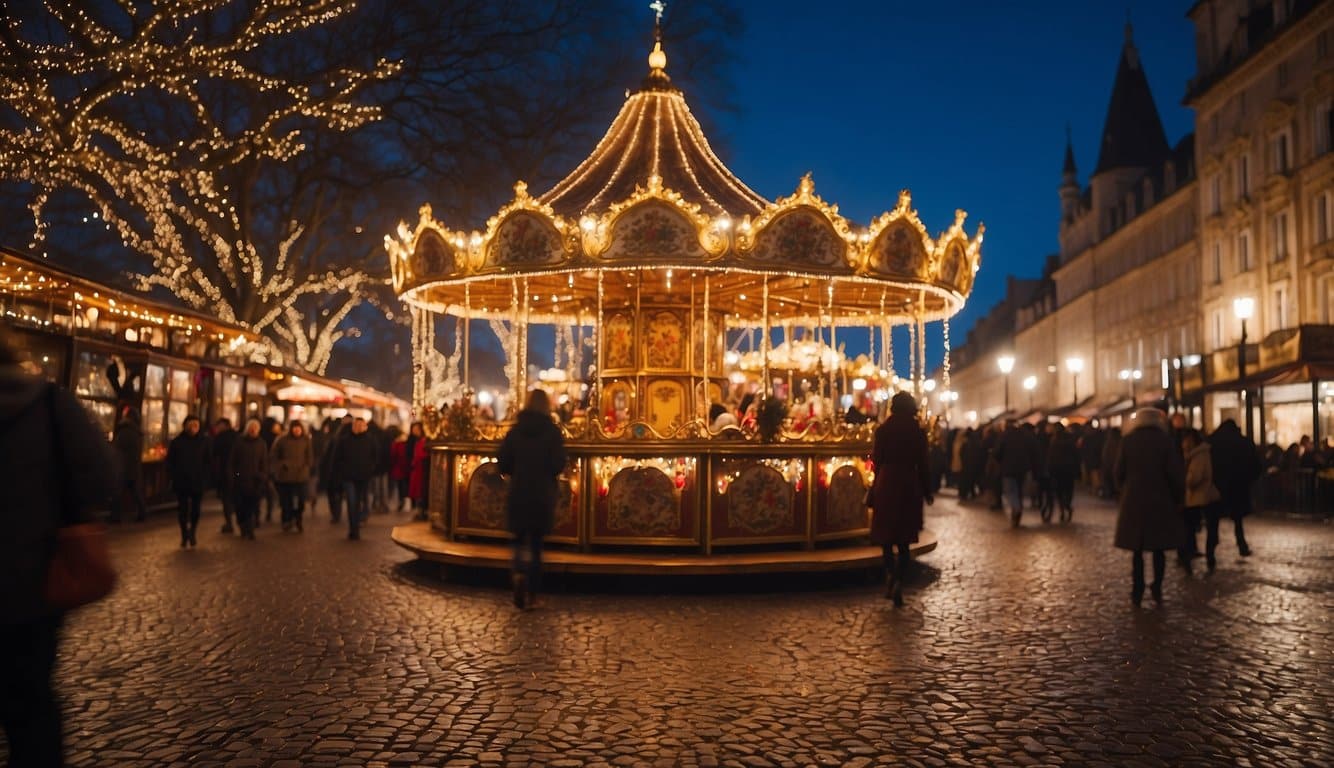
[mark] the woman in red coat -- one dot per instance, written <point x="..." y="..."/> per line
<point x="416" y="451"/>
<point x="902" y="484"/>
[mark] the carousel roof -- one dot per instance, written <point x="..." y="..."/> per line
<point x="652" y="215"/>
<point x="654" y="135"/>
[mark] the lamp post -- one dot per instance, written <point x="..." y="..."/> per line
<point x="1244" y="309"/>
<point x="1074" y="365"/>
<point x="1030" y="384"/>
<point x="1006" y="364"/>
<point x="1131" y="376"/>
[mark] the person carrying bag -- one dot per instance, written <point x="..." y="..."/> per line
<point x="58" y="470"/>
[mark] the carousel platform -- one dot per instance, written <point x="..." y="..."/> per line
<point x="427" y="544"/>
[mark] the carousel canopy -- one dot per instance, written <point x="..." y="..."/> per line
<point x="653" y="215"/>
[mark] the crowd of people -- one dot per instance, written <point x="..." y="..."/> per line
<point x="356" y="464"/>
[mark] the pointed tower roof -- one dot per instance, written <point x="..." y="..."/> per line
<point x="654" y="135"/>
<point x="1132" y="136"/>
<point x="1069" y="173"/>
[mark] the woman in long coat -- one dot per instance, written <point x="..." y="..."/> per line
<point x="902" y="484"/>
<point x="1151" y="475"/>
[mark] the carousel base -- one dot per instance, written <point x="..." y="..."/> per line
<point x="427" y="544"/>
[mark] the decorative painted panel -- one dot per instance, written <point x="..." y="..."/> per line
<point x="524" y="239"/>
<point x="754" y="500"/>
<point x="760" y="501"/>
<point x="619" y="351"/>
<point x="433" y="256"/>
<point x="898" y="250"/>
<point x="644" y="500"/>
<point x="484" y="498"/>
<point x="844" y="506"/>
<point x="664" y="340"/>
<point x="641" y="501"/>
<point x="666" y="404"/>
<point x="653" y="230"/>
<point x="438" y="488"/>
<point x="803" y="238"/>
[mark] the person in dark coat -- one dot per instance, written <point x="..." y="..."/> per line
<point x="1236" y="466"/>
<point x="269" y="429"/>
<point x="1090" y="457"/>
<point x="356" y="455"/>
<point x="419" y="478"/>
<point x="1017" y="453"/>
<point x="57" y="471"/>
<point x="333" y="487"/>
<point x="224" y="438"/>
<point x="400" y="454"/>
<point x="1111" y="452"/>
<point x="249" y="469"/>
<point x="189" y="458"/>
<point x="128" y="442"/>
<point x="902" y="484"/>
<point x="1152" y="477"/>
<point x="532" y="456"/>
<point x="291" y="459"/>
<point x="974" y="465"/>
<point x="1063" y="468"/>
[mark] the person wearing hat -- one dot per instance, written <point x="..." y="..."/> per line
<point x="902" y="484"/>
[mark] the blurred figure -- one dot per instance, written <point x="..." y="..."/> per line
<point x="249" y="468"/>
<point x="902" y="484"/>
<point x="189" y="457"/>
<point x="291" y="460"/>
<point x="58" y="471"/>
<point x="1152" y="476"/>
<point x="532" y="456"/>
<point x="1201" y="495"/>
<point x="1063" y="468"/>
<point x="400" y="466"/>
<point x="355" y="458"/>
<point x="419" y="478"/>
<point x="269" y="429"/>
<point x="1017" y="454"/>
<point x="1236" y="467"/>
<point x="1111" y="453"/>
<point x="224" y="438"/>
<point x="128" y="442"/>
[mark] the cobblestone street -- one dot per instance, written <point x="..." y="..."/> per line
<point x="1015" y="648"/>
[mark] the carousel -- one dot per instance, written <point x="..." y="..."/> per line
<point x="649" y="255"/>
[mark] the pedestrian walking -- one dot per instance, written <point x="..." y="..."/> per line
<point x="333" y="486"/>
<point x="355" y="458"/>
<point x="902" y="485"/>
<point x="189" y="459"/>
<point x="532" y="456"/>
<point x="1236" y="466"/>
<point x="1201" y="494"/>
<point x="249" y="469"/>
<point x="224" y="438"/>
<point x="269" y="430"/>
<point x="1151" y="475"/>
<point x="400" y="466"/>
<point x="58" y="471"/>
<point x="1063" y="468"/>
<point x="128" y="442"/>
<point x="1017" y="453"/>
<point x="419" y="479"/>
<point x="292" y="458"/>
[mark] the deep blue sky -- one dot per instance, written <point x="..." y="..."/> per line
<point x="964" y="103"/>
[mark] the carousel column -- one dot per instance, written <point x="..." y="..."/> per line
<point x="831" y="402"/>
<point x="467" y="338"/>
<point x="523" y="344"/>
<point x="515" y="391"/>
<point x="595" y="400"/>
<point x="764" y="340"/>
<point x="706" y="346"/>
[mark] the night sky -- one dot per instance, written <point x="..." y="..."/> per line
<point x="964" y="103"/>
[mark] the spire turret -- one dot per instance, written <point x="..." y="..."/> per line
<point x="1132" y="136"/>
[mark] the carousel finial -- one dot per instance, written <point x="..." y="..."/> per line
<point x="657" y="60"/>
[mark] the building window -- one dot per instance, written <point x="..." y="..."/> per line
<point x="1280" y="151"/>
<point x="1244" y="176"/>
<point x="1321" y="215"/>
<point x="1216" y="267"/>
<point x="1218" y="329"/>
<point x="1279" y="236"/>
<point x="1279" y="308"/>
<point x="1244" y="251"/>
<point x="1216" y="193"/>
<point x="1324" y="128"/>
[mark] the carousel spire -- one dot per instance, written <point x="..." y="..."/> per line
<point x="657" y="60"/>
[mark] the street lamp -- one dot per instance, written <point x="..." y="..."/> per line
<point x="1006" y="364"/>
<point x="1244" y="309"/>
<point x="1030" y="384"/>
<point x="1131" y="376"/>
<point x="1075" y="365"/>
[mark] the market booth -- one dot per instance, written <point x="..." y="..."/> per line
<point x="653" y="250"/>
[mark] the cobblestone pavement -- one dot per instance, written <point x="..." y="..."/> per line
<point x="1015" y="648"/>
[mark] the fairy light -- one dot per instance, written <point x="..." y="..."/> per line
<point x="166" y="201"/>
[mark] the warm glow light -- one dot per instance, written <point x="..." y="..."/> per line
<point x="1005" y="363"/>
<point x="929" y="385"/>
<point x="1243" y="307"/>
<point x="1074" y="364"/>
<point x="858" y="385"/>
<point x="1030" y="383"/>
<point x="485" y="397"/>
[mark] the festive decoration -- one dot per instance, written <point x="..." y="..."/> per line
<point x="167" y="198"/>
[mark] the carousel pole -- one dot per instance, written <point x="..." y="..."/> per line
<point x="523" y="339"/>
<point x="639" y="327"/>
<point x="596" y="400"/>
<point x="515" y="392"/>
<point x="690" y="353"/>
<point x="706" y="347"/>
<point x="921" y="337"/>
<point x="833" y="345"/>
<point x="764" y="340"/>
<point x="467" y="336"/>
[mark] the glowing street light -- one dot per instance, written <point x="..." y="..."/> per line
<point x="1075" y="365"/>
<point x="1006" y="365"/>
<point x="1131" y="376"/>
<point x="1244" y="308"/>
<point x="1030" y="384"/>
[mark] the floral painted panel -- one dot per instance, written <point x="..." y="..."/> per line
<point x="760" y="501"/>
<point x="433" y="256"/>
<point x="954" y="264"/>
<point x="898" y="250"/>
<point x="642" y="501"/>
<point x="487" y="492"/>
<point x="619" y="352"/>
<point x="801" y="237"/>
<point x="522" y="239"/>
<point x="653" y="231"/>
<point x="565" y="501"/>
<point x="664" y="342"/>
<point x="844" y="508"/>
